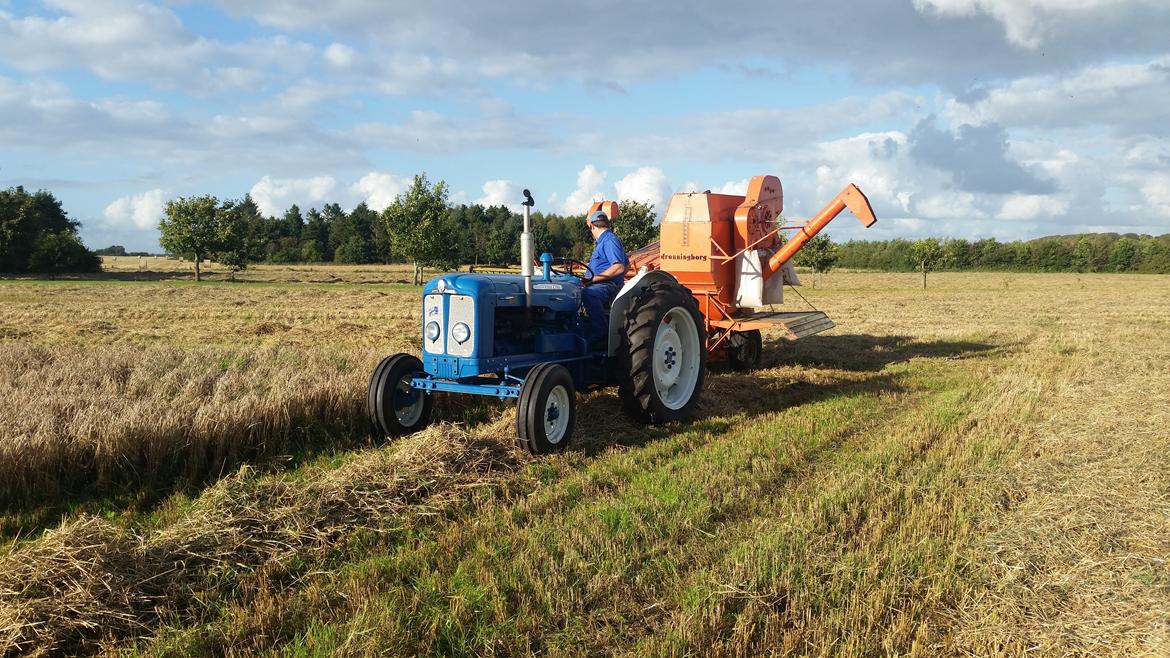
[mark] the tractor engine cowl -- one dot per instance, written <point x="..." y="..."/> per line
<point x="473" y="323"/>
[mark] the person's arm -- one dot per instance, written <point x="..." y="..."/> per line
<point x="609" y="273"/>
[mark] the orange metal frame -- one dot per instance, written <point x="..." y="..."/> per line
<point x="752" y="225"/>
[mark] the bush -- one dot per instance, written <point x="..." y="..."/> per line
<point x="56" y="253"/>
<point x="35" y="232"/>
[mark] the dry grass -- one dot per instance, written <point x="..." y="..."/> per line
<point x="95" y="419"/>
<point x="980" y="468"/>
<point x="139" y="385"/>
<point x="1077" y="560"/>
<point x="89" y="582"/>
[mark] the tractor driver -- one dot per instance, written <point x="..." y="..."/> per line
<point x="608" y="265"/>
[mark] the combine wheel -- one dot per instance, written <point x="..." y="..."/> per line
<point x="547" y="409"/>
<point x="665" y="354"/>
<point x="394" y="407"/>
<point x="744" y="350"/>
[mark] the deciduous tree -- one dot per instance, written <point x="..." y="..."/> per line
<point x="634" y="224"/>
<point x="244" y="234"/>
<point x="415" y="224"/>
<point x="1123" y="256"/>
<point x="818" y="254"/>
<point x="195" y="227"/>
<point x="35" y="225"/>
<point x="927" y="253"/>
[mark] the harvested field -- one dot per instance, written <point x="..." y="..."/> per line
<point x="980" y="468"/>
<point x="153" y="268"/>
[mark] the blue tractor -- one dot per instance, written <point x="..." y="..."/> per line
<point x="524" y="337"/>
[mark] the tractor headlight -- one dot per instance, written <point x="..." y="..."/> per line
<point x="461" y="332"/>
<point x="432" y="331"/>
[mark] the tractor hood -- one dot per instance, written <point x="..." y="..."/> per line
<point x="561" y="293"/>
<point x="476" y="285"/>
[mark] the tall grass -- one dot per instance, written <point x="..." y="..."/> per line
<point x="114" y="387"/>
<point x="85" y="419"/>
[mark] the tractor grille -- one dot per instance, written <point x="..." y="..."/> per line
<point x="446" y="368"/>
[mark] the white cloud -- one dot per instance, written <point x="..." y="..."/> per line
<point x="879" y="163"/>
<point x="304" y="95"/>
<point x="1127" y="97"/>
<point x="765" y="133"/>
<point x="340" y="55"/>
<point x="900" y="40"/>
<point x="141" y="211"/>
<point x="428" y="131"/>
<point x="379" y="189"/>
<point x="646" y="185"/>
<point x="1031" y="206"/>
<point x="949" y="205"/>
<point x="1156" y="191"/>
<point x="45" y="118"/>
<point x="589" y="189"/>
<point x="274" y="196"/>
<point x="738" y="187"/>
<point x="501" y="193"/>
<point x="1025" y="22"/>
<point x="140" y="42"/>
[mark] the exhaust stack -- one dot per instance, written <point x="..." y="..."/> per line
<point x="526" y="257"/>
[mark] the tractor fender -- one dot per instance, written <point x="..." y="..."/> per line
<point x="617" y="311"/>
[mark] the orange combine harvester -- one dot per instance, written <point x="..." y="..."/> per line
<point x="728" y="251"/>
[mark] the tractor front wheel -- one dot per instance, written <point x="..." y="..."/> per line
<point x="394" y="407"/>
<point x="547" y="409"/>
<point x="665" y="354"/>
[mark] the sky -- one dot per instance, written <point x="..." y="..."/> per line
<point x="1009" y="119"/>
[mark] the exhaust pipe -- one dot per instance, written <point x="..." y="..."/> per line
<point x="526" y="257"/>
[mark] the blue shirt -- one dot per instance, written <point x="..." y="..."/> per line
<point x="606" y="252"/>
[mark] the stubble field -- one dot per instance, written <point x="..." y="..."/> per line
<point x="980" y="468"/>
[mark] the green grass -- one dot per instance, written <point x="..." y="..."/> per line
<point x="726" y="535"/>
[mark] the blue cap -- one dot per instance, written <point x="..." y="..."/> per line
<point x="598" y="216"/>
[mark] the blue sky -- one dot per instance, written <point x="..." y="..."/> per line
<point x="966" y="118"/>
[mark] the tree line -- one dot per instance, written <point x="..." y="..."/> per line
<point x="418" y="227"/>
<point x="1090" y="252"/>
<point x="423" y="228"/>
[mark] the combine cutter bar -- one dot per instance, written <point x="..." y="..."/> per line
<point x="796" y="324"/>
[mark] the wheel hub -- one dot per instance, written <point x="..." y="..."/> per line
<point x="676" y="363"/>
<point x="408" y="403"/>
<point x="666" y="355"/>
<point x="556" y="421"/>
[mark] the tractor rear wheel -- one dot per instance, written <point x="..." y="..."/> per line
<point x="394" y="407"/>
<point x="744" y="349"/>
<point x="664" y="354"/>
<point x="547" y="409"/>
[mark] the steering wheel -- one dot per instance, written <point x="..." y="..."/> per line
<point x="570" y="265"/>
